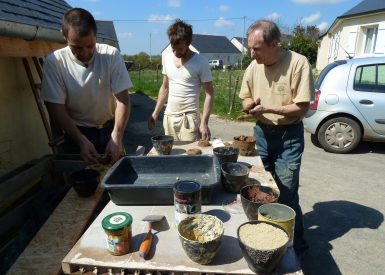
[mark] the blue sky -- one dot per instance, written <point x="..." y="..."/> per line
<point x="141" y="25"/>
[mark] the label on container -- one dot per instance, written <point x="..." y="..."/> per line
<point x="187" y="199"/>
<point x="118" y="244"/>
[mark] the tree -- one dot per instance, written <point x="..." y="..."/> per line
<point x="304" y="41"/>
<point x="246" y="59"/>
<point x="142" y="60"/>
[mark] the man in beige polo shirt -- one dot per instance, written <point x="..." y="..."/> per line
<point x="276" y="91"/>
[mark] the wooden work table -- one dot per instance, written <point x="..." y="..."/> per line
<point x="167" y="254"/>
<point x="64" y="226"/>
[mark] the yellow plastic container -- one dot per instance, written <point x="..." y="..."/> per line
<point x="280" y="214"/>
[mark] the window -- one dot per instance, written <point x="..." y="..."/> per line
<point x="370" y="39"/>
<point x="370" y="78"/>
<point x="381" y="77"/>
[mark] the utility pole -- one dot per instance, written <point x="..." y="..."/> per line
<point x="150" y="49"/>
<point x="243" y="42"/>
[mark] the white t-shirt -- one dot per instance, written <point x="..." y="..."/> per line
<point x="185" y="83"/>
<point x="86" y="92"/>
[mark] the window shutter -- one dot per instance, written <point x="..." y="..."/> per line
<point x="352" y="40"/>
<point x="331" y="44"/>
<point x="336" y="45"/>
<point x="380" y="43"/>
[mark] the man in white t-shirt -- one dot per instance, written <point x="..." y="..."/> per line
<point x="185" y="72"/>
<point x="85" y="89"/>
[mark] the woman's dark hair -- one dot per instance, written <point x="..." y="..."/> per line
<point x="80" y="21"/>
<point x="180" y="31"/>
<point x="270" y="30"/>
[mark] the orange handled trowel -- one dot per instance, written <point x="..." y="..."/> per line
<point x="145" y="246"/>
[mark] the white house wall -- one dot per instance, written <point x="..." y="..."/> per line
<point x="348" y="38"/>
<point x="238" y="45"/>
<point x="228" y="58"/>
<point x="323" y="53"/>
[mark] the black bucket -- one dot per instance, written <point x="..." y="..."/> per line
<point x="85" y="181"/>
<point x="234" y="176"/>
<point x="226" y="154"/>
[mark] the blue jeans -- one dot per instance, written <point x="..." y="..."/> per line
<point x="281" y="148"/>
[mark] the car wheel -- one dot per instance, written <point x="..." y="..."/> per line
<point x="314" y="140"/>
<point x="339" y="135"/>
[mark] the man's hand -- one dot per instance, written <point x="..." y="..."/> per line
<point x="257" y="110"/>
<point x="204" y="132"/>
<point x="88" y="151"/>
<point x="151" y="122"/>
<point x="249" y="105"/>
<point x="114" y="149"/>
<point x="254" y="112"/>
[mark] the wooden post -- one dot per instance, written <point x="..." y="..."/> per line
<point x="230" y="76"/>
<point x="157" y="73"/>
<point x="233" y="98"/>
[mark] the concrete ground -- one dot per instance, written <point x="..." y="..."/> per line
<point x="342" y="196"/>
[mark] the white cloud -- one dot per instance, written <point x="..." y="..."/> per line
<point x="174" y="3"/>
<point x="323" y="26"/>
<point x="125" y="35"/>
<point x="273" y="16"/>
<point x="155" y="18"/>
<point x="224" y="8"/>
<point x="311" y="18"/>
<point x="222" y="22"/>
<point x="316" y="2"/>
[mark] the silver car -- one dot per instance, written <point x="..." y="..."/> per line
<point x="349" y="104"/>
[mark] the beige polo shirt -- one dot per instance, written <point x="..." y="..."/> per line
<point x="289" y="80"/>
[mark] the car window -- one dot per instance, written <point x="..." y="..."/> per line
<point x="381" y="76"/>
<point x="370" y="78"/>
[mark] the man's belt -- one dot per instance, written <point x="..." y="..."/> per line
<point x="106" y="124"/>
<point x="101" y="126"/>
<point x="181" y="114"/>
<point x="273" y="126"/>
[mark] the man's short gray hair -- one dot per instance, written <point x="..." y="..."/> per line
<point x="270" y="30"/>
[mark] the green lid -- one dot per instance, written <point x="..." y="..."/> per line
<point x="116" y="221"/>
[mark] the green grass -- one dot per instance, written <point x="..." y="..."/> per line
<point x="148" y="82"/>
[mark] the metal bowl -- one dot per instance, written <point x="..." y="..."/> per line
<point x="253" y="196"/>
<point x="163" y="144"/>
<point x="234" y="176"/>
<point x="263" y="258"/>
<point x="226" y="154"/>
<point x="201" y="236"/>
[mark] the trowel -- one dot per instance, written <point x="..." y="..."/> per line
<point x="145" y="246"/>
